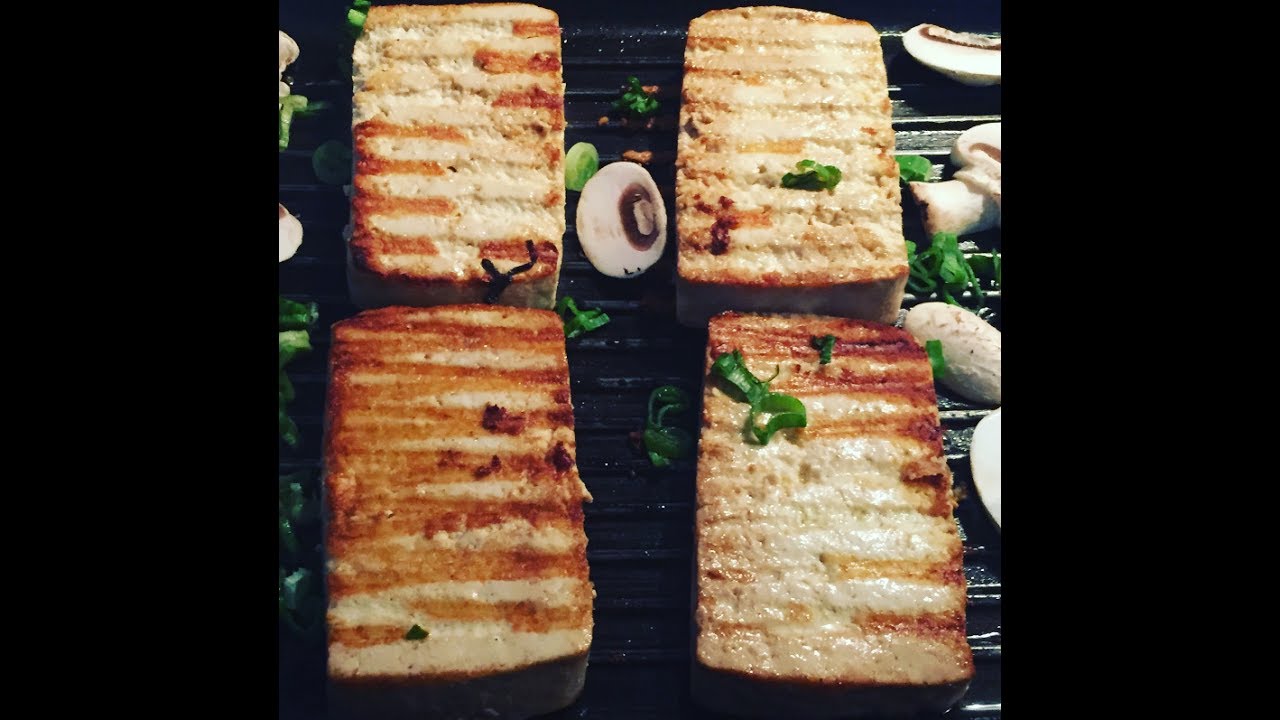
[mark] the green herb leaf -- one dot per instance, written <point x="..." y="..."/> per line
<point x="580" y="164"/>
<point x="786" y="412"/>
<point x="913" y="168"/>
<point x="311" y="108"/>
<point x="810" y="175"/>
<point x="416" y="633"/>
<point x="295" y="315"/>
<point x="936" y="360"/>
<point x="332" y="163"/>
<point x="579" y="322"/>
<point x="824" y="345"/>
<point x="635" y="101"/>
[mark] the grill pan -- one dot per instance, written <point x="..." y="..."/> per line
<point x="640" y="527"/>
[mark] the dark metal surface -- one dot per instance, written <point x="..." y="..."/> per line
<point x="640" y="526"/>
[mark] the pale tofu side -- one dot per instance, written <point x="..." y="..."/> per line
<point x="458" y="142"/>
<point x="764" y="88"/>
<point x="829" y="565"/>
<point x="454" y="503"/>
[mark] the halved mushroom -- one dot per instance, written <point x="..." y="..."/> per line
<point x="965" y="57"/>
<point x="984" y="458"/>
<point x="288" y="53"/>
<point x="622" y="222"/>
<point x="971" y="202"/>
<point x="290" y="234"/>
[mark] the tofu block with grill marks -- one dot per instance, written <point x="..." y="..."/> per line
<point x="764" y="88"/>
<point x="458" y="140"/>
<point x="828" y="563"/>
<point x="453" y="503"/>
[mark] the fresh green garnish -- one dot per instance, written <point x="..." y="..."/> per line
<point x="913" y="168"/>
<point x="300" y="607"/>
<point x="332" y="163"/>
<point x="986" y="266"/>
<point x="635" y="101"/>
<point x="416" y="633"/>
<point x="810" y="175"/>
<point x="663" y="443"/>
<point x="944" y="269"/>
<point x="936" y="360"/>
<point x="578" y="322"/>
<point x="297" y="316"/>
<point x="356" y="17"/>
<point x="786" y="411"/>
<point x="295" y="319"/>
<point x="289" y="104"/>
<point x="824" y="345"/>
<point x="580" y="163"/>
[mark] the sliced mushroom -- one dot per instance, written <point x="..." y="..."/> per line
<point x="971" y="202"/>
<point x="622" y="222"/>
<point x="984" y="458"/>
<point x="965" y="57"/>
<point x="290" y="234"/>
<point x="288" y="51"/>
<point x="970" y="347"/>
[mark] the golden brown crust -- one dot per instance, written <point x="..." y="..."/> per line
<point x="756" y="100"/>
<point x="458" y="128"/>
<point x="452" y="499"/>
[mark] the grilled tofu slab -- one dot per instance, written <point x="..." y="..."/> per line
<point x="454" y="504"/>
<point x="458" y="137"/>
<point x="829" y="576"/>
<point x="764" y="88"/>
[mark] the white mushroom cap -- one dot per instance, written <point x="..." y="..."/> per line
<point x="290" y="234"/>
<point x="984" y="458"/>
<point x="622" y="222"/>
<point x="972" y="201"/>
<point x="965" y="57"/>
<point x="288" y="51"/>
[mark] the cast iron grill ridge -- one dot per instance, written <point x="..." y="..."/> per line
<point x="640" y="527"/>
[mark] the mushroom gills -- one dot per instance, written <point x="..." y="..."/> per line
<point x="984" y="459"/>
<point x="965" y="57"/>
<point x="622" y="221"/>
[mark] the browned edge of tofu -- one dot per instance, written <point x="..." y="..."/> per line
<point x="736" y="691"/>
<point x="877" y="300"/>
<point x="535" y="690"/>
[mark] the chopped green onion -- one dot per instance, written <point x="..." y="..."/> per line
<point x="786" y="412"/>
<point x="355" y="22"/>
<point x="416" y="633"/>
<point x="665" y="444"/>
<point x="824" y="345"/>
<point x="295" y="315"/>
<point x="579" y="322"/>
<point x="944" y="268"/>
<point x="913" y="168"/>
<point x="635" y="101"/>
<point x="332" y="163"/>
<point x="936" y="360"/>
<point x="289" y="104"/>
<point x="733" y="369"/>
<point x="580" y="164"/>
<point x="292" y="344"/>
<point x="810" y="175"/>
<point x="361" y="4"/>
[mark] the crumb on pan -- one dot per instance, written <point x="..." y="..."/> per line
<point x="643" y="157"/>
